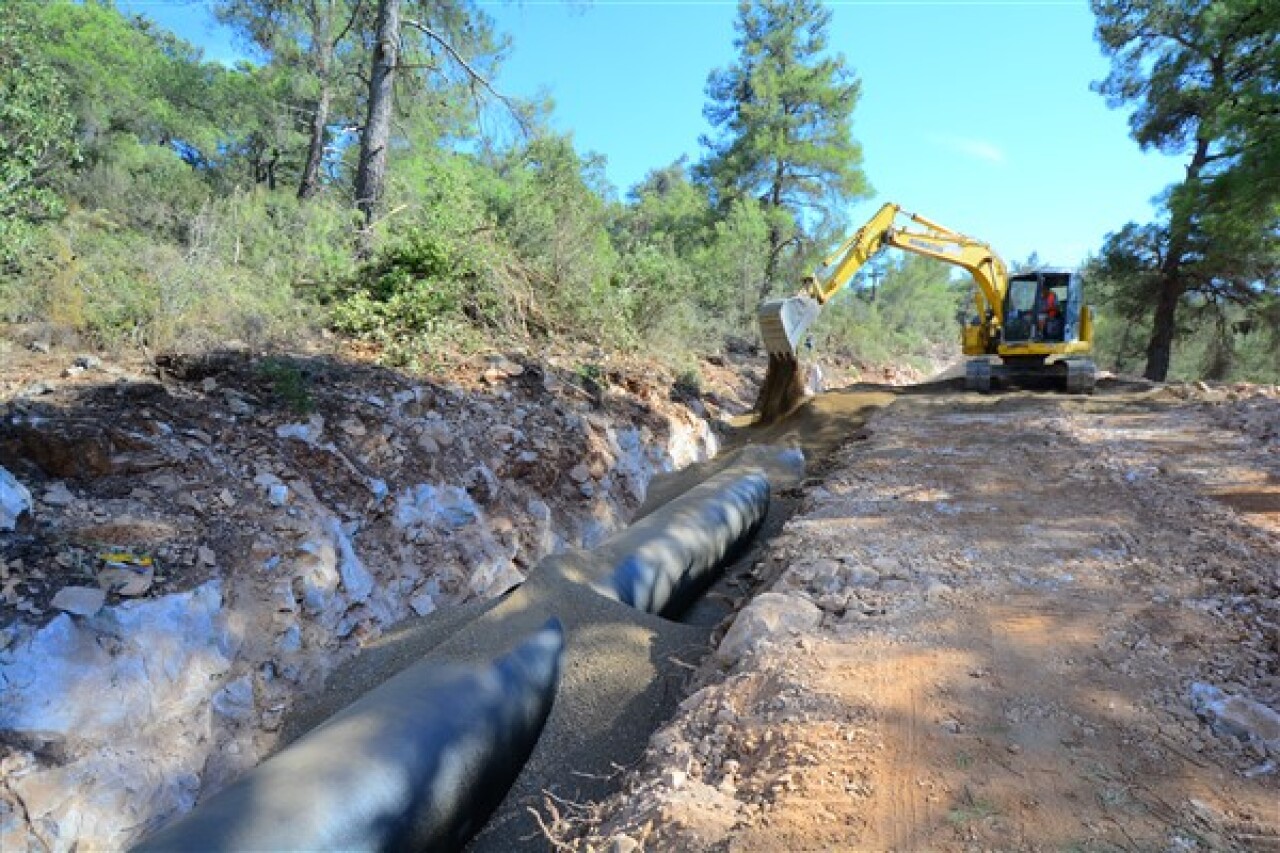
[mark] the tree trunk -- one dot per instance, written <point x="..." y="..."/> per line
<point x="322" y="40"/>
<point x="310" y="183"/>
<point x="271" y="169"/>
<point x="372" y="169"/>
<point x="775" y="233"/>
<point x="771" y="263"/>
<point x="1162" y="329"/>
<point x="1164" y="322"/>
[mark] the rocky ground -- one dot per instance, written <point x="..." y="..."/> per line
<point x="189" y="546"/>
<point x="1008" y="622"/>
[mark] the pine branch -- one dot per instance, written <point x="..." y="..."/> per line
<point x="476" y="76"/>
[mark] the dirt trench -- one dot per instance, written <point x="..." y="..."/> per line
<point x="1020" y="601"/>
<point x="624" y="671"/>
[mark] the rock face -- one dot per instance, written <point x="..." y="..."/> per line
<point x="15" y="500"/>
<point x="125" y="697"/>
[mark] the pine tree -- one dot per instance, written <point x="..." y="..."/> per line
<point x="1204" y="80"/>
<point x="782" y="111"/>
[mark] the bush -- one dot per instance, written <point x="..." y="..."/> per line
<point x="124" y="287"/>
<point x="438" y="278"/>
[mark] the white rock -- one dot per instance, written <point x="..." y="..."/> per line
<point x="936" y="589"/>
<point x="545" y="540"/>
<point x="309" y="432"/>
<point x="80" y="600"/>
<point x="128" y="694"/>
<point x="290" y="640"/>
<point x="356" y="579"/>
<point x="423" y="603"/>
<point x="171" y="647"/>
<point x="772" y="616"/>
<point x="442" y="507"/>
<point x="862" y="576"/>
<point x="58" y="495"/>
<point x="623" y="844"/>
<point x="885" y="564"/>
<point x="316" y="570"/>
<point x="14" y="500"/>
<point x="235" y="700"/>
<point x="353" y="427"/>
<point x="1237" y="716"/>
<point x="491" y="579"/>
<point x="278" y="494"/>
<point x="237" y="404"/>
<point x="266" y="480"/>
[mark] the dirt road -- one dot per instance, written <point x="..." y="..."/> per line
<point x="997" y="623"/>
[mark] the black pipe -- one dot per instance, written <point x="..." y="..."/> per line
<point x="418" y="763"/>
<point x="662" y="562"/>
<point x="421" y="761"/>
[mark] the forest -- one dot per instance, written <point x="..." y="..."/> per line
<point x="364" y="175"/>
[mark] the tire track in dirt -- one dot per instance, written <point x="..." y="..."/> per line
<point x="899" y="815"/>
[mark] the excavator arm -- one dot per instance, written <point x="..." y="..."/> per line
<point x="783" y="322"/>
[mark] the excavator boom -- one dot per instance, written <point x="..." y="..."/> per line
<point x="783" y="322"/>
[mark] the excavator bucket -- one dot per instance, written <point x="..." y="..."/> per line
<point x="783" y="323"/>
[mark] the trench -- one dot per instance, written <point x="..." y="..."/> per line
<point x="622" y="672"/>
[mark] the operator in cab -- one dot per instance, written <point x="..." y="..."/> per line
<point x="1050" y="315"/>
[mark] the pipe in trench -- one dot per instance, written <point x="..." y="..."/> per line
<point x="418" y="763"/>
<point x="422" y="760"/>
<point x="660" y="563"/>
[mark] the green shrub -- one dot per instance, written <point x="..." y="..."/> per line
<point x="124" y="287"/>
<point x="289" y="383"/>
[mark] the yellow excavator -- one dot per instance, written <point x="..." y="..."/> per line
<point x="1029" y="328"/>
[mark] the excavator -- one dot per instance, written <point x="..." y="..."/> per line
<point x="1028" y="328"/>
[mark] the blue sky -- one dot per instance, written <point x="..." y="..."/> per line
<point x="976" y="114"/>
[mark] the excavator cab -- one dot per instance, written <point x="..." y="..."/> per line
<point x="1042" y="306"/>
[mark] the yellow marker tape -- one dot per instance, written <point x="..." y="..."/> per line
<point x="126" y="559"/>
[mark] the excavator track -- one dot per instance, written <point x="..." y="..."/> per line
<point x="1074" y="375"/>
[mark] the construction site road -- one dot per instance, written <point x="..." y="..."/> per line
<point x="1012" y="622"/>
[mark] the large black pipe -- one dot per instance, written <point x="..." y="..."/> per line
<point x="660" y="563"/>
<point x="421" y="761"/>
<point x="417" y="764"/>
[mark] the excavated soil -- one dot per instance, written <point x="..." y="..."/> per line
<point x="1018" y="604"/>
